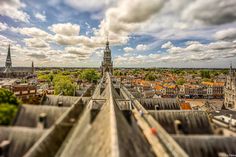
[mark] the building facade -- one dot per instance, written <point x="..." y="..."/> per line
<point x="230" y="90"/>
<point x="107" y="65"/>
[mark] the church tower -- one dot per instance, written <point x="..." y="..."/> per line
<point x="107" y="65"/>
<point x="8" y="64"/>
<point x="230" y="90"/>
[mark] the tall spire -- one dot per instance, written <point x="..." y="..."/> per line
<point x="8" y="60"/>
<point x="107" y="42"/>
<point x="8" y="63"/>
<point x="32" y="67"/>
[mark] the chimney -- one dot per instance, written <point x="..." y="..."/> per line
<point x="178" y="127"/>
<point x="42" y="121"/>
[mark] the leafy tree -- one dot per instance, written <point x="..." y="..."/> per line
<point x="66" y="87"/>
<point x="117" y="73"/>
<point x="90" y="75"/>
<point x="180" y="81"/>
<point x="8" y="97"/>
<point x="50" y="77"/>
<point x="205" y="74"/>
<point x="7" y="113"/>
<point x="8" y="106"/>
<point x="150" y="77"/>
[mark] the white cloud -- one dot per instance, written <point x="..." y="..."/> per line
<point x="211" y="11"/>
<point x="36" y="43"/>
<point x="81" y="52"/>
<point x="128" y="49"/>
<point x="40" y="16"/>
<point x="31" y="32"/>
<point x="126" y="16"/>
<point x="3" y="26"/>
<point x="167" y="45"/>
<point x="141" y="47"/>
<point x="91" y="5"/>
<point x="192" y="52"/>
<point x="13" y="9"/>
<point x="4" y="41"/>
<point x="67" y="29"/>
<point x="226" y="34"/>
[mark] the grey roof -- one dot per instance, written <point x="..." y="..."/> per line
<point x="96" y="139"/>
<point x="193" y="122"/>
<point x="21" y="139"/>
<point x="55" y="100"/>
<point x="28" y="115"/>
<point x="160" y="103"/>
<point x="207" y="146"/>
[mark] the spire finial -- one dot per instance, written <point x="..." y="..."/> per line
<point x="107" y="42"/>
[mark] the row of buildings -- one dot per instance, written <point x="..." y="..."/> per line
<point x="204" y="90"/>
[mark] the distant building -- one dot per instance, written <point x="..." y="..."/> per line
<point x="230" y="90"/>
<point x="107" y="65"/>
<point x="10" y="72"/>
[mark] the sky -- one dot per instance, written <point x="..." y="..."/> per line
<point x="142" y="33"/>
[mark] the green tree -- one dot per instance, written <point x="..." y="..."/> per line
<point x="205" y="74"/>
<point x="90" y="75"/>
<point x="7" y="113"/>
<point x="66" y="87"/>
<point x="8" y="106"/>
<point x="150" y="77"/>
<point x="180" y="81"/>
<point x="8" y="97"/>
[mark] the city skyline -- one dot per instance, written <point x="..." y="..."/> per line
<point x="156" y="33"/>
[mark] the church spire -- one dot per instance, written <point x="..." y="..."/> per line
<point x="32" y="67"/>
<point x="8" y="63"/>
<point x="8" y="59"/>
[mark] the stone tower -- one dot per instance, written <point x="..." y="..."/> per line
<point x="8" y="64"/>
<point x="107" y="65"/>
<point x="230" y="90"/>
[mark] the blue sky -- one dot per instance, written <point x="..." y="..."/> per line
<point x="154" y="33"/>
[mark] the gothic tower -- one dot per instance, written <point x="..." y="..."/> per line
<point x="107" y="65"/>
<point x="230" y="90"/>
<point x="8" y="64"/>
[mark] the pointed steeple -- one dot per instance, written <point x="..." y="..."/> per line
<point x="33" y="70"/>
<point x="8" y="64"/>
<point x="107" y="43"/>
<point x="8" y="59"/>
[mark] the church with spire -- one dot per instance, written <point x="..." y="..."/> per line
<point x="8" y="64"/>
<point x="17" y="72"/>
<point x="107" y="65"/>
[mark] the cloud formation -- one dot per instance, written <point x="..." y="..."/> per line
<point x="67" y="29"/>
<point x="13" y="9"/>
<point x="226" y="34"/>
<point x="40" y="16"/>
